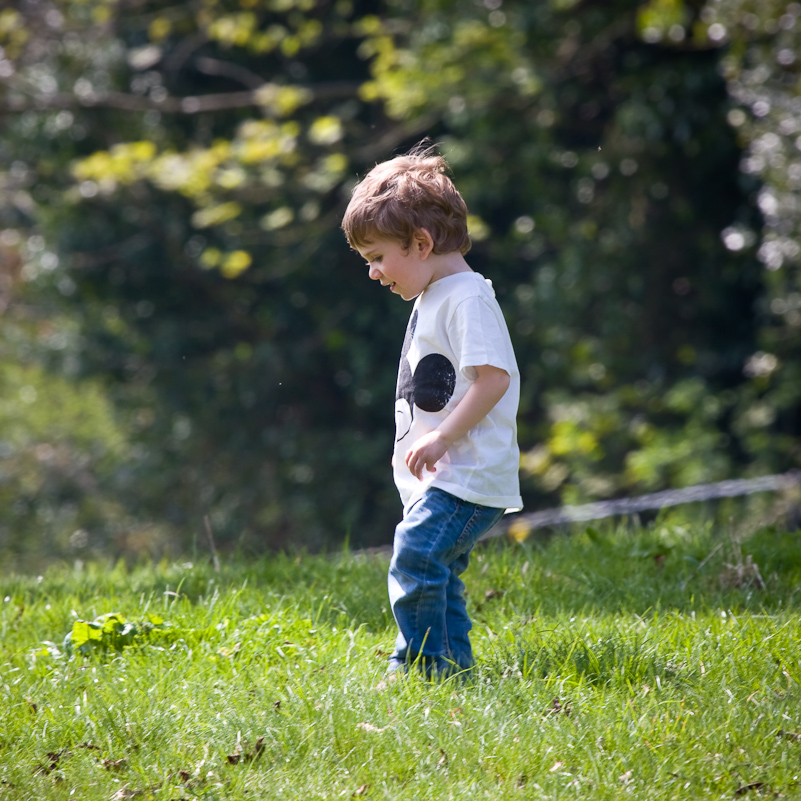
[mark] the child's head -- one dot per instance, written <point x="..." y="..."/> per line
<point x="404" y="195"/>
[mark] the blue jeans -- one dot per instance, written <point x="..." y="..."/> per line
<point x="432" y="549"/>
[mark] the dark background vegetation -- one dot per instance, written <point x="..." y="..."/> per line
<point x="186" y="334"/>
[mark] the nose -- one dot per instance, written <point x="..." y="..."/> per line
<point x="373" y="272"/>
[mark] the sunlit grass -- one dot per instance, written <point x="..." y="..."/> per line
<point x="628" y="663"/>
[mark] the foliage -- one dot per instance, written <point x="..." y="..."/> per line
<point x="109" y="632"/>
<point x="646" y="676"/>
<point x="177" y="176"/>
<point x="59" y="443"/>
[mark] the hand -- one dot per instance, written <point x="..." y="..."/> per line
<point x="425" y="453"/>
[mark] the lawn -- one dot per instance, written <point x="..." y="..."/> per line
<point x="657" y="662"/>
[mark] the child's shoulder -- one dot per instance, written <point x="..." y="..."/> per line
<point x="472" y="286"/>
<point x="462" y="299"/>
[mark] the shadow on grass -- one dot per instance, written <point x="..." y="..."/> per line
<point x="612" y="569"/>
<point x="638" y="571"/>
<point x="605" y="661"/>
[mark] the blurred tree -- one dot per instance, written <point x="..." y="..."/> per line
<point x="194" y="208"/>
<point x="761" y="44"/>
<point x="177" y="174"/>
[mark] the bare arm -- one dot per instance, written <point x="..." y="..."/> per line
<point x="489" y="387"/>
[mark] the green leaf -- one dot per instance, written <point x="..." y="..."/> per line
<point x="594" y="536"/>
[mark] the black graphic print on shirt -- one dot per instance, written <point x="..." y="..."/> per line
<point x="431" y="385"/>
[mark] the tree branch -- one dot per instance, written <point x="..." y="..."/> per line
<point x="196" y="104"/>
<point x="225" y="69"/>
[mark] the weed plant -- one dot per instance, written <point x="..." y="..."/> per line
<point x="620" y="663"/>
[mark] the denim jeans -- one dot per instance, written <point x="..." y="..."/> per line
<point x="432" y="549"/>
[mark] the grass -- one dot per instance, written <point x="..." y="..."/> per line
<point x="622" y="663"/>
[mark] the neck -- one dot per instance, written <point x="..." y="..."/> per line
<point x="445" y="264"/>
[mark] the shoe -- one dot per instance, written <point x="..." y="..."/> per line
<point x="392" y="677"/>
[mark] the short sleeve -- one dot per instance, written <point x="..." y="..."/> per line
<point x="478" y="336"/>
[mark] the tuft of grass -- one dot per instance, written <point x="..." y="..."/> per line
<point x="623" y="663"/>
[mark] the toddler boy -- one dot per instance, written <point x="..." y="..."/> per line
<point x="456" y="458"/>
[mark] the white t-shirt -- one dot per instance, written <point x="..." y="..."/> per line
<point x="456" y="325"/>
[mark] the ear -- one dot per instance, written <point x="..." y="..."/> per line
<point x="423" y="243"/>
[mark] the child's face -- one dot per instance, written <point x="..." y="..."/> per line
<point x="406" y="271"/>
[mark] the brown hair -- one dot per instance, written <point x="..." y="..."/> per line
<point x="403" y="195"/>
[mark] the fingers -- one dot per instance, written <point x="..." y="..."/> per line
<point x="425" y="453"/>
<point x="418" y="461"/>
<point x="413" y="464"/>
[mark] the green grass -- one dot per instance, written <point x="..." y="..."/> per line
<point x="615" y="664"/>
